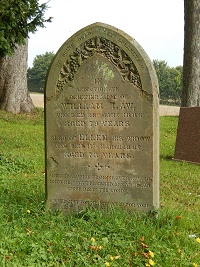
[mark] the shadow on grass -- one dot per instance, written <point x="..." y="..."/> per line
<point x="167" y="157"/>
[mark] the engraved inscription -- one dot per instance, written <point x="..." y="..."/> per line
<point x="81" y="106"/>
<point x="90" y="137"/>
<point x="63" y="177"/>
<point x="68" y="204"/>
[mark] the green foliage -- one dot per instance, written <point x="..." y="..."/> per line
<point x="170" y="82"/>
<point x="37" y="74"/>
<point x="13" y="164"/>
<point x="17" y="19"/>
<point x="29" y="236"/>
<point x="170" y="79"/>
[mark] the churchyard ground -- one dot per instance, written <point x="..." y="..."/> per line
<point x="31" y="236"/>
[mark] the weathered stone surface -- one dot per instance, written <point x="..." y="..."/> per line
<point x="101" y="123"/>
<point x="188" y="135"/>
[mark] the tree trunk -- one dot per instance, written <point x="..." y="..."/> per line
<point x="191" y="64"/>
<point x="14" y="95"/>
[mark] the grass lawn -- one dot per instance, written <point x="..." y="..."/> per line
<point x="29" y="236"/>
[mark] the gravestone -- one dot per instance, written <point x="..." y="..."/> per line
<point x="188" y="135"/>
<point x="102" y="125"/>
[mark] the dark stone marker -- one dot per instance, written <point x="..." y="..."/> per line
<point x="102" y="125"/>
<point x="188" y="135"/>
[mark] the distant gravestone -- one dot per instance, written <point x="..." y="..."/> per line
<point x="188" y="135"/>
<point x="102" y="125"/>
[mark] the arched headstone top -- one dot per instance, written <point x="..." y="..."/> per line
<point x="118" y="47"/>
<point x="106" y="48"/>
<point x="102" y="124"/>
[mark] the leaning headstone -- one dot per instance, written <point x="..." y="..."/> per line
<point x="102" y="135"/>
<point x="188" y="135"/>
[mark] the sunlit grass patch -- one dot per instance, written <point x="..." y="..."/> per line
<point x="30" y="236"/>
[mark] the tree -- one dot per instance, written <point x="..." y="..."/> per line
<point x="17" y="20"/>
<point x="175" y="84"/>
<point x="14" y="95"/>
<point x="170" y="81"/>
<point x="191" y="65"/>
<point x="37" y="74"/>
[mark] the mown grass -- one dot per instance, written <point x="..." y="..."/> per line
<point x="29" y="236"/>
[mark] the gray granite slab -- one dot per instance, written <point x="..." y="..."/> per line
<point x="102" y="123"/>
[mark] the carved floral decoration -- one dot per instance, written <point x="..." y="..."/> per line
<point x="107" y="49"/>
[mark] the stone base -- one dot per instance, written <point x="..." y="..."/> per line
<point x="188" y="135"/>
